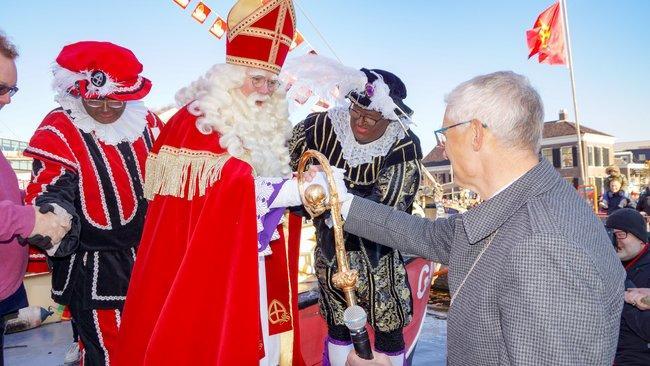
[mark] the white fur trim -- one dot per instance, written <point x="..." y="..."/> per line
<point x="65" y="79"/>
<point x="333" y="81"/>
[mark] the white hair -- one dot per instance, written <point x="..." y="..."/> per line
<point x="249" y="132"/>
<point x="505" y="102"/>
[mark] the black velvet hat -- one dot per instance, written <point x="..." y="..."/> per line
<point x="395" y="85"/>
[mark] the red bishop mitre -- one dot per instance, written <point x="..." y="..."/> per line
<point x="260" y="35"/>
<point x="93" y="69"/>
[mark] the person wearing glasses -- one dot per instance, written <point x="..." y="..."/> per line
<point x="17" y="221"/>
<point x="631" y="242"/>
<point x="89" y="162"/>
<point x="533" y="277"/>
<point x="381" y="160"/>
<point x="212" y="284"/>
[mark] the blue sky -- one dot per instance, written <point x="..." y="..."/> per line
<point x="431" y="45"/>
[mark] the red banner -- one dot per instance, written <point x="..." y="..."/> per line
<point x="546" y="39"/>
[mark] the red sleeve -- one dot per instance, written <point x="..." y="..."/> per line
<point x="49" y="142"/>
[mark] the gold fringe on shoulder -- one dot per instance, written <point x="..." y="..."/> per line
<point x="175" y="172"/>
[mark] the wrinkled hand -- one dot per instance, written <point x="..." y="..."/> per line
<point x="309" y="174"/>
<point x="51" y="222"/>
<point x="379" y="359"/>
<point x="634" y="297"/>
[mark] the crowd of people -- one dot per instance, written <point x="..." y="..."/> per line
<point x="200" y="202"/>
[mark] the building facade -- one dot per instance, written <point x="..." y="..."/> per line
<point x="559" y="146"/>
<point x="633" y="159"/>
<point x="22" y="165"/>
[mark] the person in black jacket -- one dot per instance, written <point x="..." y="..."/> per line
<point x="643" y="204"/>
<point x="615" y="198"/>
<point x="629" y="229"/>
<point x="380" y="156"/>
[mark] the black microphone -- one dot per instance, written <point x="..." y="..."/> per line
<point x="355" y="319"/>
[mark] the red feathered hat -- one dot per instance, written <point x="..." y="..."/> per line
<point x="260" y="35"/>
<point x="94" y="69"/>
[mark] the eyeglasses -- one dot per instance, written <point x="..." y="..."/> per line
<point x="110" y="103"/>
<point x="367" y="120"/>
<point x="259" y="81"/>
<point x="12" y="90"/>
<point x="441" y="138"/>
<point x="620" y="234"/>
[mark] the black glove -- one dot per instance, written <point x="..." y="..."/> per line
<point x="39" y="241"/>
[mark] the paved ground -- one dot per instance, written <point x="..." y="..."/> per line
<point x="43" y="346"/>
<point x="432" y="346"/>
<point x="46" y="345"/>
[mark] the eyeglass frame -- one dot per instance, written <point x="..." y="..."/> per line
<point x="260" y="78"/>
<point x="365" y="118"/>
<point x="442" y="130"/>
<point x="622" y="236"/>
<point x="104" y="103"/>
<point x="12" y="90"/>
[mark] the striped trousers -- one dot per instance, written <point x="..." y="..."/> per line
<point x="97" y="334"/>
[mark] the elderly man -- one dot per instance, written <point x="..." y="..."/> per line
<point x="17" y="220"/>
<point x="211" y="284"/>
<point x="533" y="276"/>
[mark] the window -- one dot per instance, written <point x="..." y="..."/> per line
<point x="556" y="158"/>
<point x="25" y="165"/>
<point x="597" y="156"/>
<point x="548" y="154"/>
<point x="605" y="156"/>
<point x="642" y="157"/>
<point x="567" y="157"/>
<point x="598" y="182"/>
<point x="590" y="156"/>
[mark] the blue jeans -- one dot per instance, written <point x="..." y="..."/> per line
<point x="7" y="306"/>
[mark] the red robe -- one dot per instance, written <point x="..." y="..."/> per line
<point x="194" y="292"/>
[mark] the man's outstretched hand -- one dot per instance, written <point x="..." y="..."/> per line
<point x="51" y="224"/>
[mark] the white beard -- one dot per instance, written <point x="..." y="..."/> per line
<point x="256" y="134"/>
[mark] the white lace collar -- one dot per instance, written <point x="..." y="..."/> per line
<point x="355" y="153"/>
<point x="128" y="127"/>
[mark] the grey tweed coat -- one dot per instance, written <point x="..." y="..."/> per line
<point x="548" y="290"/>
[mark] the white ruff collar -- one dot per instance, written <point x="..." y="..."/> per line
<point x="355" y="153"/>
<point x="128" y="127"/>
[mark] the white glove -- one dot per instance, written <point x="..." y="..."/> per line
<point x="288" y="195"/>
<point x="341" y="188"/>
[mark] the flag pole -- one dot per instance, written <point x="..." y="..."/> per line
<point x="565" y="18"/>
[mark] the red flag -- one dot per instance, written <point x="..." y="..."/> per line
<point x="182" y="3"/>
<point x="297" y="40"/>
<point x="201" y="12"/>
<point x="546" y="39"/>
<point x="219" y="27"/>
